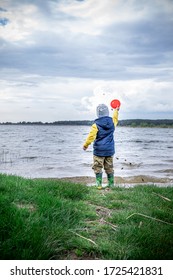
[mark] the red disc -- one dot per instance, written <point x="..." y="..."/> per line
<point x="115" y="103"/>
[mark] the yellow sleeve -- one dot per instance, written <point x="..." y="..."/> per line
<point x="115" y="117"/>
<point x="92" y="135"/>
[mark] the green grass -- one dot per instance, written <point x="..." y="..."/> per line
<point x="51" y="219"/>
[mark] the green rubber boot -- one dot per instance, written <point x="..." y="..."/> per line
<point x="99" y="181"/>
<point x="110" y="180"/>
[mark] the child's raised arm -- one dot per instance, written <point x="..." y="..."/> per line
<point x="115" y="116"/>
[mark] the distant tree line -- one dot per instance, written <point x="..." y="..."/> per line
<point x="129" y="123"/>
<point x="146" y="123"/>
<point x="85" y="122"/>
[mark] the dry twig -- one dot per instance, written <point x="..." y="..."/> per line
<point x="84" y="238"/>
<point x="149" y="217"/>
<point x="112" y="226"/>
<point x="165" y="198"/>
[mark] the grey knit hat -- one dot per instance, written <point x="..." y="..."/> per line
<point x="102" y="111"/>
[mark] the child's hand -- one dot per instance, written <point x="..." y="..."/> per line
<point x="84" y="148"/>
<point x="117" y="108"/>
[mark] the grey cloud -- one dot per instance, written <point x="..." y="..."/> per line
<point x="45" y="8"/>
<point x="114" y="54"/>
<point x="4" y="21"/>
<point x="155" y="35"/>
<point x="85" y="61"/>
<point x="144" y="36"/>
<point x="2" y="9"/>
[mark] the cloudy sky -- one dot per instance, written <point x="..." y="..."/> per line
<point x="60" y="58"/>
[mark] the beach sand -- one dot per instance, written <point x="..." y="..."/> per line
<point x="124" y="181"/>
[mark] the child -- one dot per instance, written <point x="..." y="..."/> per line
<point x="102" y="134"/>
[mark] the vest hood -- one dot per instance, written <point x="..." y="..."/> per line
<point x="105" y="122"/>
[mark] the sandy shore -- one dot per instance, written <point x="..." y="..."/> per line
<point x="120" y="180"/>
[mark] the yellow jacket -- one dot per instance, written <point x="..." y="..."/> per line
<point x="93" y="132"/>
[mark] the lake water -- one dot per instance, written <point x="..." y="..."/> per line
<point x="35" y="151"/>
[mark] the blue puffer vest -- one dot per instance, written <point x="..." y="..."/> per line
<point x="104" y="142"/>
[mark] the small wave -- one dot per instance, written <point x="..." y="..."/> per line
<point x="169" y="160"/>
<point x="29" y="158"/>
<point x="131" y="164"/>
<point x="61" y="141"/>
<point x="27" y="140"/>
<point x="86" y="164"/>
<point x="170" y="171"/>
<point x="49" y="167"/>
<point x="154" y="141"/>
<point x="137" y="141"/>
<point x="146" y="142"/>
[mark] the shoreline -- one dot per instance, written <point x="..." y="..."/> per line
<point x="122" y="181"/>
